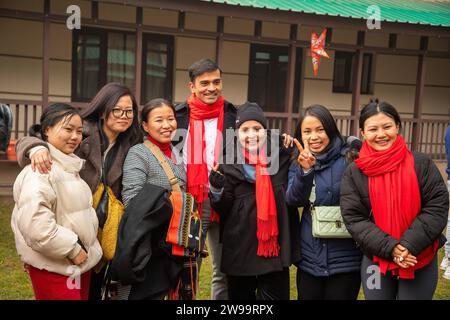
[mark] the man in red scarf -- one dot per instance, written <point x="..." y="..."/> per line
<point x="205" y="117"/>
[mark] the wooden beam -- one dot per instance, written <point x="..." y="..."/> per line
<point x="94" y="10"/>
<point x="46" y="54"/>
<point x="329" y="37"/>
<point x="305" y="63"/>
<point x="219" y="40"/>
<point x="181" y="20"/>
<point x="138" y="55"/>
<point x="258" y="29"/>
<point x="54" y="18"/>
<point x="418" y="99"/>
<point x="290" y="81"/>
<point x="392" y="41"/>
<point x="361" y="39"/>
<point x="356" y="91"/>
<point x="424" y="43"/>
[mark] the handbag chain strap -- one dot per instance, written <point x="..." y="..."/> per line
<point x="173" y="180"/>
<point x="312" y="196"/>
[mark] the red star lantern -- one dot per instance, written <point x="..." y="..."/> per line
<point x="317" y="50"/>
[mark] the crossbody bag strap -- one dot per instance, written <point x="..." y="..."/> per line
<point x="312" y="195"/>
<point x="173" y="180"/>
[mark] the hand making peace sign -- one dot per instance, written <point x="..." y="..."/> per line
<point x="305" y="158"/>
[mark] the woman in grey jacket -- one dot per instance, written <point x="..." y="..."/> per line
<point x="142" y="167"/>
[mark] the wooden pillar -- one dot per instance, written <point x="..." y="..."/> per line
<point x="420" y="84"/>
<point x="258" y="29"/>
<point x="138" y="55"/>
<point x="46" y="54"/>
<point x="181" y="20"/>
<point x="219" y="40"/>
<point x="290" y="81"/>
<point x="94" y="10"/>
<point x="356" y="91"/>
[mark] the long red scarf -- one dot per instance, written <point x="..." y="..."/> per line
<point x="266" y="208"/>
<point x="166" y="148"/>
<point x="197" y="169"/>
<point x="395" y="197"/>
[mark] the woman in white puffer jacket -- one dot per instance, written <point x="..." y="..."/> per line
<point x="54" y="224"/>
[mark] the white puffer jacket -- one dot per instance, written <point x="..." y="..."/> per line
<point x="52" y="212"/>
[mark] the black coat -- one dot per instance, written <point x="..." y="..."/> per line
<point x="425" y="229"/>
<point x="143" y="257"/>
<point x="182" y="115"/>
<point x="237" y="209"/>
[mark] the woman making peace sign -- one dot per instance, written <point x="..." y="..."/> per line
<point x="329" y="268"/>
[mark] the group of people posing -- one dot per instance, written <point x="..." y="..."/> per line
<point x="394" y="202"/>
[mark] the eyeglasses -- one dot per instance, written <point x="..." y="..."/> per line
<point x="118" y="113"/>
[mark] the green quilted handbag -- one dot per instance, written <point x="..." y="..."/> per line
<point x="327" y="222"/>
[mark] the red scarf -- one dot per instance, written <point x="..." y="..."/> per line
<point x="266" y="209"/>
<point x="166" y="148"/>
<point x="197" y="169"/>
<point x="395" y="197"/>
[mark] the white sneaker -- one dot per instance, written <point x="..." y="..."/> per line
<point x="444" y="264"/>
<point x="446" y="274"/>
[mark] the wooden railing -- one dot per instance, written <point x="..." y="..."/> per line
<point x="429" y="139"/>
<point x="25" y="114"/>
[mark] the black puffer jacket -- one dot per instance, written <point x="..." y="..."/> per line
<point x="237" y="209"/>
<point x="425" y="229"/>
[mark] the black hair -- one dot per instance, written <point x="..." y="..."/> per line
<point x="327" y="120"/>
<point x="103" y="103"/>
<point x="375" y="107"/>
<point x="53" y="114"/>
<point x="153" y="104"/>
<point x="200" y="67"/>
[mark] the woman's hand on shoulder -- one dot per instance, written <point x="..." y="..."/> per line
<point x="288" y="141"/>
<point x="42" y="161"/>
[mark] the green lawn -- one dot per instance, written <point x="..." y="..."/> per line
<point x="15" y="284"/>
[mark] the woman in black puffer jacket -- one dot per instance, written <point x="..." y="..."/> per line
<point x="395" y="204"/>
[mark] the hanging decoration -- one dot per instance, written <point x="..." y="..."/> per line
<point x="317" y="49"/>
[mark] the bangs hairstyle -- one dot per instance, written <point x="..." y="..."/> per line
<point x="327" y="120"/>
<point x="202" y="66"/>
<point x="375" y="107"/>
<point x="103" y="103"/>
<point x="154" y="104"/>
<point x="51" y="116"/>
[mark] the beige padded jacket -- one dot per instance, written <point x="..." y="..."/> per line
<point x="52" y="212"/>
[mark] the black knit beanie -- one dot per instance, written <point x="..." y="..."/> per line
<point x="250" y="111"/>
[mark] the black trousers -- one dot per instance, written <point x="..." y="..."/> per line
<point x="377" y="286"/>
<point x="270" y="286"/>
<point x="97" y="283"/>
<point x="342" y="286"/>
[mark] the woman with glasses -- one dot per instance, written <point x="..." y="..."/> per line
<point x="110" y="129"/>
